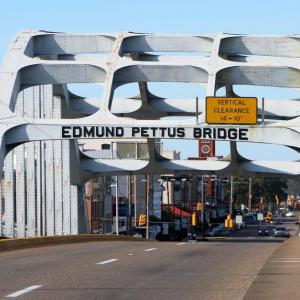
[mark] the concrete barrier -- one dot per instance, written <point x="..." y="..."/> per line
<point x="24" y="243"/>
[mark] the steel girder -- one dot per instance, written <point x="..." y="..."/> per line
<point x="40" y="58"/>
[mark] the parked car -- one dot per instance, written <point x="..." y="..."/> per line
<point x="281" y="232"/>
<point x="249" y="219"/>
<point x="290" y="214"/>
<point x="263" y="231"/>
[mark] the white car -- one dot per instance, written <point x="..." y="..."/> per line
<point x="290" y="214"/>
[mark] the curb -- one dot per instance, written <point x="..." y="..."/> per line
<point x="35" y="242"/>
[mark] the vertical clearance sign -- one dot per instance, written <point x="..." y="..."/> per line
<point x="231" y="110"/>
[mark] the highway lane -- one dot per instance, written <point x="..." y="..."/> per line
<point x="136" y="270"/>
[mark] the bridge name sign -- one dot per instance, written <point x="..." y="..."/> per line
<point x="214" y="133"/>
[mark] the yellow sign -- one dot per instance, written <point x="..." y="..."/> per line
<point x="230" y="110"/>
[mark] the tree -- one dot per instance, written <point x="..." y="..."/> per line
<point x="265" y="187"/>
<point x="268" y="188"/>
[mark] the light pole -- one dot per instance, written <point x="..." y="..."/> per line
<point x="147" y="204"/>
<point x="183" y="192"/>
<point x="202" y="206"/>
<point x="129" y="216"/>
<point x="250" y="195"/>
<point x="161" y="183"/>
<point x="117" y="204"/>
<point x="231" y="196"/>
<point x="147" y="216"/>
<point x="237" y="189"/>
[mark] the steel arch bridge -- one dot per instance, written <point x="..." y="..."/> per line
<point x="39" y="58"/>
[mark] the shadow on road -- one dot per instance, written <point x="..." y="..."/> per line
<point x="247" y="240"/>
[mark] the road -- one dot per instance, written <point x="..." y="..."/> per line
<point x="217" y="269"/>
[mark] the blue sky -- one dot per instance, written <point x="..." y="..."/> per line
<point x="163" y="16"/>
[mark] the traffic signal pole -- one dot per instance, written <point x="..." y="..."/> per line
<point x="250" y="195"/>
<point x="147" y="204"/>
<point x="203" y="205"/>
<point x="117" y="207"/>
<point x="231" y="195"/>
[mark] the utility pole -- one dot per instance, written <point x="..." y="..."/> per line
<point x="147" y="204"/>
<point x="135" y="212"/>
<point x="168" y="195"/>
<point x="117" y="206"/>
<point x="202" y="205"/>
<point x="231" y="195"/>
<point x="129" y="217"/>
<point x="197" y="110"/>
<point x="250" y="195"/>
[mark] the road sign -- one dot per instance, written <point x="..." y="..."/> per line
<point x="260" y="217"/>
<point x="231" y="110"/>
<point x="239" y="219"/>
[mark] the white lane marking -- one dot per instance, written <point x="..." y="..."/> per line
<point x="179" y="244"/>
<point x="107" y="261"/>
<point x="285" y="261"/>
<point x="130" y="254"/>
<point x="24" y="291"/>
<point x="288" y="258"/>
<point x="150" y="249"/>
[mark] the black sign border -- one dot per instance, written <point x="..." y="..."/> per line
<point x="235" y="124"/>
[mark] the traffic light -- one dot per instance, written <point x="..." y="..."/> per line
<point x="229" y="221"/>
<point x="142" y="220"/>
<point x="194" y="219"/>
<point x="199" y="206"/>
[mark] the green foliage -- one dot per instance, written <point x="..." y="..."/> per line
<point x="264" y="187"/>
<point x="268" y="188"/>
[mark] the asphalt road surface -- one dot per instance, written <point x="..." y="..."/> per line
<point x="219" y="269"/>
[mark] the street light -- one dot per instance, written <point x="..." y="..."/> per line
<point x="147" y="205"/>
<point x="203" y="206"/>
<point x="117" y="204"/>
<point x="161" y="183"/>
<point x="231" y="191"/>
<point x="183" y="194"/>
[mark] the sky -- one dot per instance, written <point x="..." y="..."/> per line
<point x="163" y="16"/>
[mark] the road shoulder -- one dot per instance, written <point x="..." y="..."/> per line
<point x="279" y="277"/>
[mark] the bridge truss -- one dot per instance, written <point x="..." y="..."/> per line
<point x="37" y="108"/>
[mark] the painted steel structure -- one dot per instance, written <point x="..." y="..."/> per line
<point x="47" y="61"/>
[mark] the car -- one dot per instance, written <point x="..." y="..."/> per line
<point x="249" y="219"/>
<point x="219" y="232"/>
<point x="263" y="231"/>
<point x="290" y="214"/>
<point x="281" y="232"/>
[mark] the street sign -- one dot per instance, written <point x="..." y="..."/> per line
<point x="231" y="110"/>
<point x="260" y="217"/>
<point x="239" y="219"/>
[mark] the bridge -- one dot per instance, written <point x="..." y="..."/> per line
<point x="41" y="120"/>
<point x="45" y="167"/>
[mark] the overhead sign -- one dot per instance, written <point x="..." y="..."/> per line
<point x="230" y="110"/>
<point x="217" y="133"/>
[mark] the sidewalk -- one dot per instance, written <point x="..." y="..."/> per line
<point x="279" y="277"/>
